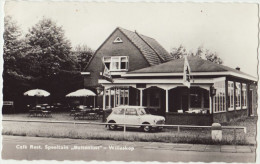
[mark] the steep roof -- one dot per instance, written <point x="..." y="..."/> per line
<point x="149" y="47"/>
<point x="157" y="48"/>
<point x="197" y="65"/>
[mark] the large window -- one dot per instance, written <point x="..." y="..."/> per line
<point x="230" y="99"/>
<point x="238" y="95"/>
<point x="244" y="96"/>
<point x="116" y="63"/>
<point x="124" y="96"/>
<point x="219" y="99"/>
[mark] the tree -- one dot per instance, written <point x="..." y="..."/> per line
<point x="14" y="47"/>
<point x="179" y="52"/>
<point x="15" y="82"/>
<point x="82" y="54"/>
<point x="213" y="57"/>
<point x="49" y="49"/>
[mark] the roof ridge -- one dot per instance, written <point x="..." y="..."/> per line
<point x="122" y="30"/>
<point x="221" y="66"/>
<point x="149" y="45"/>
<point x="145" y="49"/>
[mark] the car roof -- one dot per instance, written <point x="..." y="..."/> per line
<point x="127" y="106"/>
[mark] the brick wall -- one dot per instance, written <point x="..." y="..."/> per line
<point x="188" y="119"/>
<point x="229" y="116"/>
<point x="136" y="59"/>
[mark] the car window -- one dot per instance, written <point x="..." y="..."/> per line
<point x="143" y="111"/>
<point x="130" y="111"/>
<point x="119" y="111"/>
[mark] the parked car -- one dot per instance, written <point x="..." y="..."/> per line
<point x="135" y="115"/>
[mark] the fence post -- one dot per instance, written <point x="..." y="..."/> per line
<point x="216" y="132"/>
<point x="178" y="129"/>
<point x="235" y="135"/>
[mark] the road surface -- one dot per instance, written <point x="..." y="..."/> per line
<point x="39" y="148"/>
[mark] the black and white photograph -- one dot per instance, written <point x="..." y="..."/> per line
<point x="129" y="81"/>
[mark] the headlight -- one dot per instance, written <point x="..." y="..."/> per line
<point x="160" y="122"/>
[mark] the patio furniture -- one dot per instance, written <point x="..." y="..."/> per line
<point x="180" y="111"/>
<point x="46" y="113"/>
<point x="86" y="114"/>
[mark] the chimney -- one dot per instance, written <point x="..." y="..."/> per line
<point x="238" y="68"/>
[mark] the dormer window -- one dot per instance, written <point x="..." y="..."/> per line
<point x="118" y="40"/>
<point x="116" y="63"/>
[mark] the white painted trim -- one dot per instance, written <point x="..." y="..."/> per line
<point x="155" y="81"/>
<point x="192" y="74"/>
<point x="231" y="109"/>
<point x="219" y="79"/>
<point x="85" y="73"/>
<point x="118" y="40"/>
<point x="167" y="100"/>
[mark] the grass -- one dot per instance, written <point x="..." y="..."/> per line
<point x="86" y="131"/>
<point x="249" y="122"/>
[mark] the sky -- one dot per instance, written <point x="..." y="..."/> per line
<point x="230" y="29"/>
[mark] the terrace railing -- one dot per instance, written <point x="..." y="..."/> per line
<point x="235" y="128"/>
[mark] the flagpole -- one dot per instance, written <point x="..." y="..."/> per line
<point x="187" y="77"/>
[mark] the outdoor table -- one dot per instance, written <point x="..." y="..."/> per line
<point x="92" y="115"/>
<point x="35" y="113"/>
<point x="46" y="113"/>
<point x="72" y="112"/>
<point x="32" y="113"/>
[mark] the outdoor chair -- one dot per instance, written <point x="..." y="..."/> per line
<point x="32" y="112"/>
<point x="46" y="113"/>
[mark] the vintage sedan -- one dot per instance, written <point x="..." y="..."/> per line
<point x="134" y="116"/>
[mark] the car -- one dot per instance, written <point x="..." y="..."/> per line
<point x="134" y="116"/>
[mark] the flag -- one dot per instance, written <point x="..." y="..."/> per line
<point x="186" y="72"/>
<point x="107" y="74"/>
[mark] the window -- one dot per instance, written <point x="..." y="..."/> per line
<point x="118" y="40"/>
<point x="119" y="111"/>
<point x="130" y="111"/>
<point x="116" y="63"/>
<point x="238" y="95"/>
<point x="107" y="61"/>
<point x="230" y="95"/>
<point x="244" y="96"/>
<point x="124" y="96"/>
<point x="219" y="99"/>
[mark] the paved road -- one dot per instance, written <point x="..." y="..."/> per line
<point x="36" y="148"/>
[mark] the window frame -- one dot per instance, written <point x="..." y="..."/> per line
<point x="238" y="93"/>
<point x="219" y="100"/>
<point x="112" y="59"/>
<point x="230" y="93"/>
<point x="244" y="96"/>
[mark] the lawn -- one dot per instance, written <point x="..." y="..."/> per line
<point x="87" y="131"/>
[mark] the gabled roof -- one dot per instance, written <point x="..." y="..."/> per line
<point x="153" y="52"/>
<point x="163" y="54"/>
<point x="197" y="65"/>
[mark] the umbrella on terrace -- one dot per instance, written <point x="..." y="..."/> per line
<point x="82" y="93"/>
<point x="37" y="93"/>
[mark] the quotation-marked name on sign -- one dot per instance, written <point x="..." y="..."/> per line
<point x="75" y="147"/>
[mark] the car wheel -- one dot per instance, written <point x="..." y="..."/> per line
<point x="146" y="128"/>
<point x="112" y="127"/>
